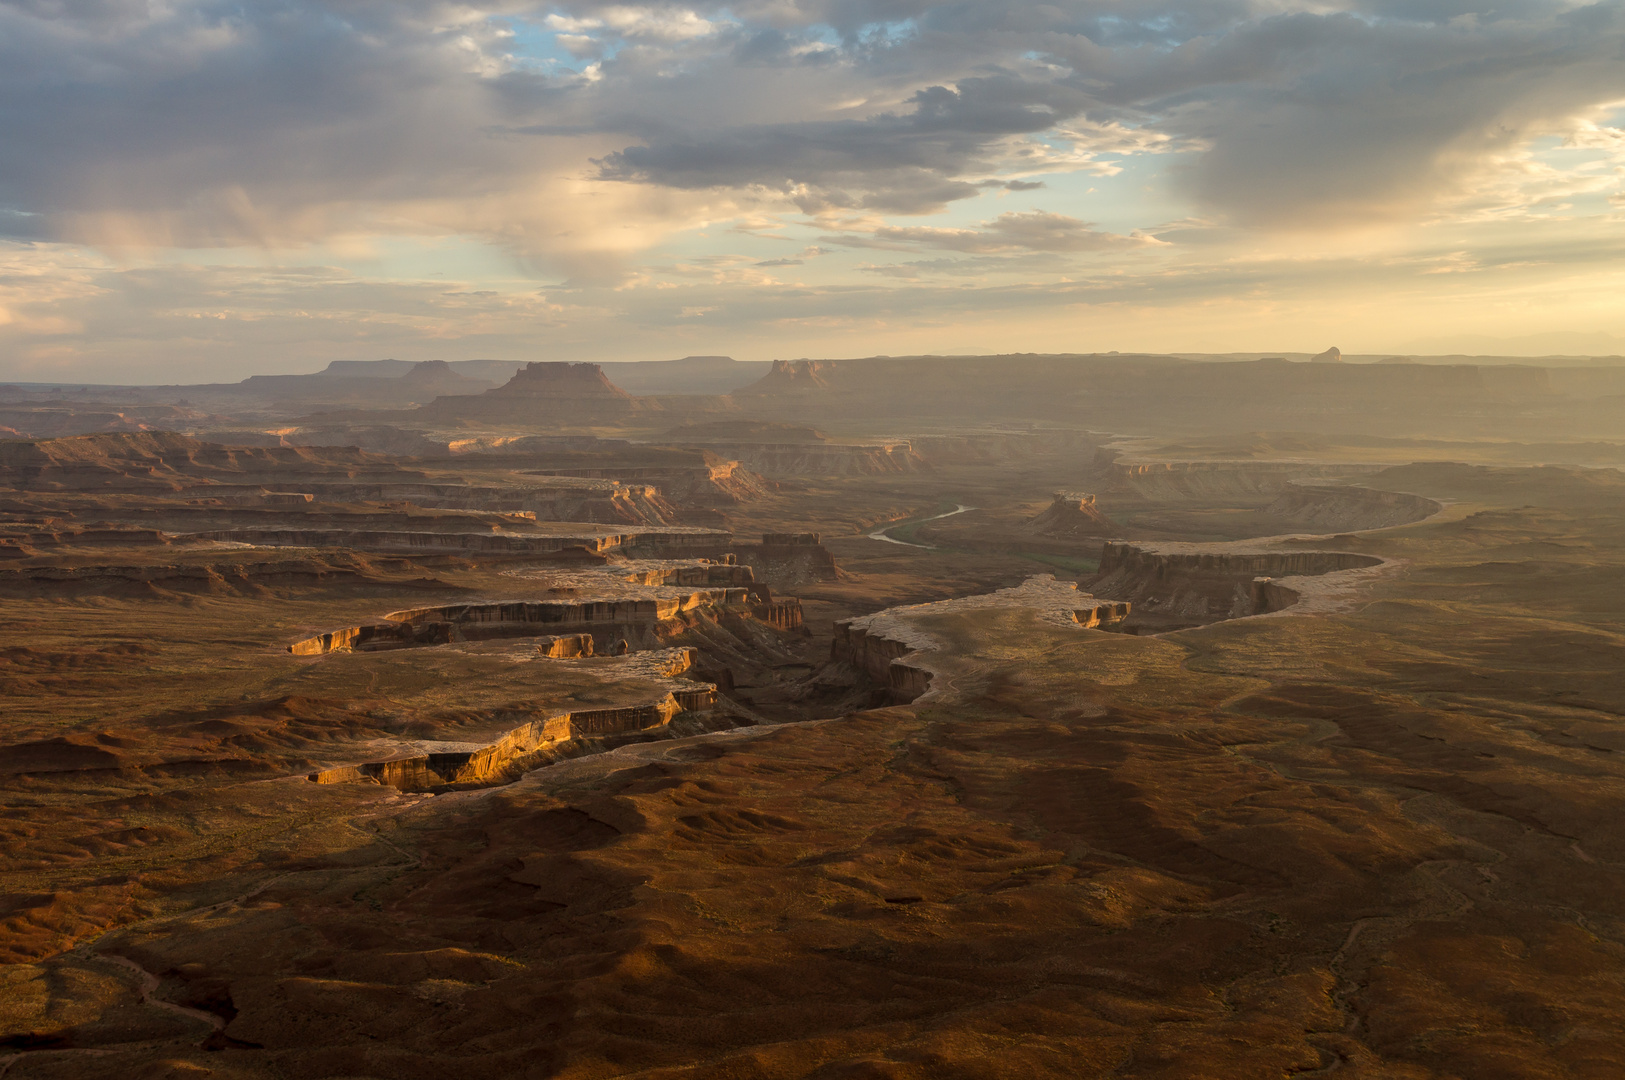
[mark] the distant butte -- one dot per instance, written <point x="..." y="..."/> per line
<point x="545" y="391"/>
<point x="1073" y="514"/>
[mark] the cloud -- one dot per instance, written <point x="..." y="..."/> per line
<point x="1035" y="231"/>
<point x="913" y="162"/>
<point x="1325" y="120"/>
<point x="218" y="122"/>
<point x="663" y="24"/>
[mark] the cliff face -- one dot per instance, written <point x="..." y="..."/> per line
<point x="878" y="652"/>
<point x="1164" y="562"/>
<point x="1104" y="613"/>
<point x="1174" y="586"/>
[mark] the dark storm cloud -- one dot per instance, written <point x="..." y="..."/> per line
<point x="903" y="163"/>
<point x="217" y="120"/>
<point x="1321" y="119"/>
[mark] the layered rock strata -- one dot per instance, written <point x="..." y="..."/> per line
<point x="565" y="646"/>
<point x="1104" y="613"/>
<point x="452" y="764"/>
<point x="521" y="618"/>
<point x="24" y="541"/>
<point x="608" y="605"/>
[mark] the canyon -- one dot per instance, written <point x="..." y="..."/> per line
<point x="526" y="724"/>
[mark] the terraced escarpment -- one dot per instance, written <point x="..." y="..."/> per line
<point x="631" y="602"/>
<point x="616" y="623"/>
<point x="429" y="765"/>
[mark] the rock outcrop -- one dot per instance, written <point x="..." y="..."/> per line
<point x="565" y="646"/>
<point x="1072" y="514"/>
<point x="1104" y="613"/>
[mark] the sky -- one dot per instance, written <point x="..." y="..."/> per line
<point x="198" y="191"/>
